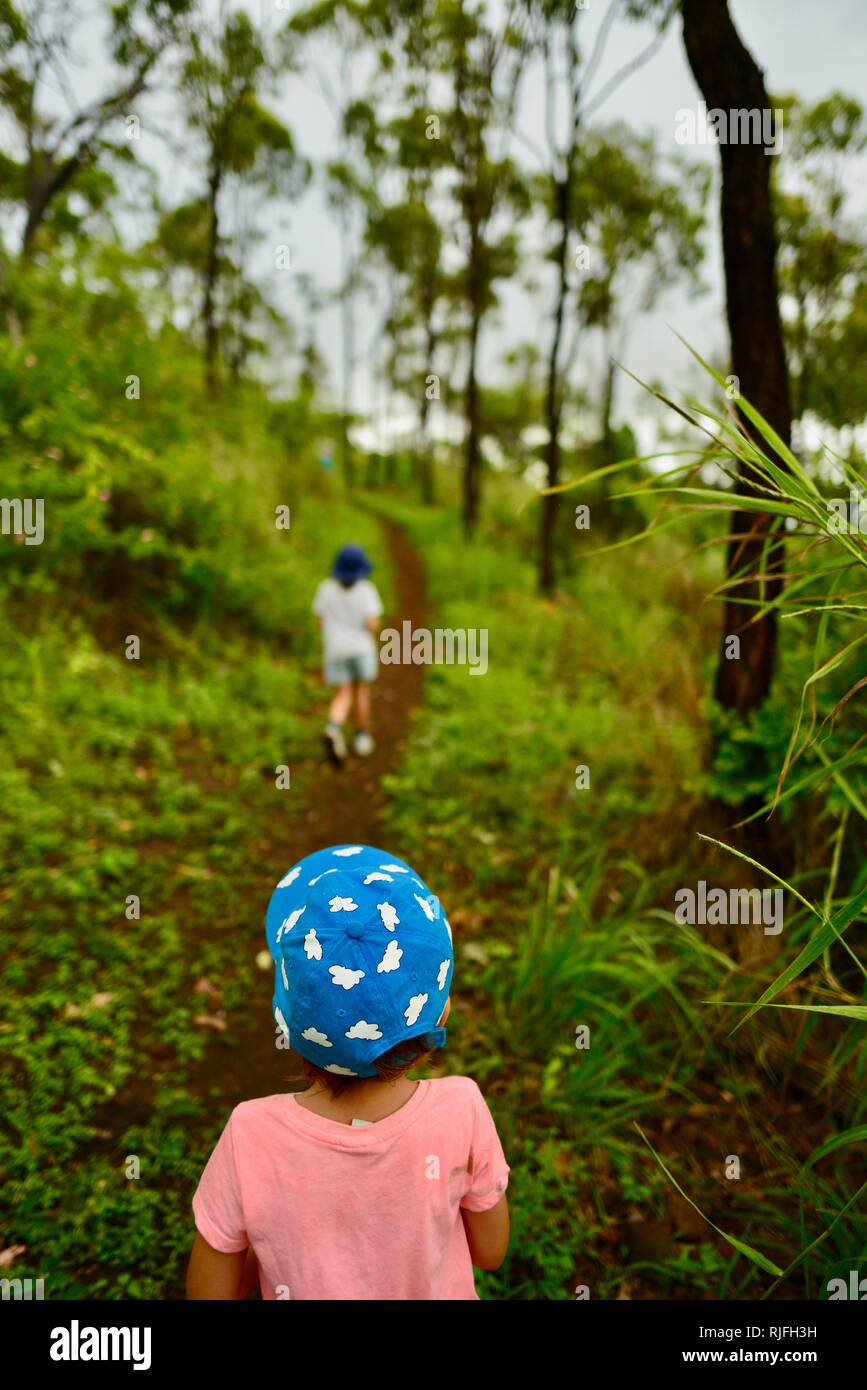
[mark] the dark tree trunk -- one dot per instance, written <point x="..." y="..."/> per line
<point x="551" y="501"/>
<point x="42" y="191"/>
<point x="211" y="271"/>
<point x="607" y="434"/>
<point x="473" y="462"/>
<point x="729" y="78"/>
<point x="425" y="458"/>
<point x="426" y="473"/>
<point x="57" y="173"/>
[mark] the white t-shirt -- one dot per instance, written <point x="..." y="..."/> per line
<point x="344" y="614"/>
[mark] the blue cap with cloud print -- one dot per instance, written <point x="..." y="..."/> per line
<point x="363" y="957"/>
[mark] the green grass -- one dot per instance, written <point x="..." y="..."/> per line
<point x="155" y="778"/>
<point x="151" y="778"/>
<point x="562" y="903"/>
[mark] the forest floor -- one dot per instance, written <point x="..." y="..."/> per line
<point x="341" y="805"/>
<point x="136" y="1038"/>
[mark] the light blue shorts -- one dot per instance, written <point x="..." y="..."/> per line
<point x="352" y="668"/>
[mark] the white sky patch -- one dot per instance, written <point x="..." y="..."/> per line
<point x="281" y="1023"/>
<point x="314" y="1035"/>
<point x="379" y="878"/>
<point x="425" y="907"/>
<point x="290" y="921"/>
<point x="311" y="881"/>
<point x="363" y="1029"/>
<point x="342" y="905"/>
<point x="290" y="877"/>
<point x="791" y="38"/>
<point x="442" y="973"/>
<point x="389" y="916"/>
<point x="342" y="975"/>
<point x="414" y="1008"/>
<point x="312" y="945"/>
<point x="391" y="959"/>
<point x="352" y="849"/>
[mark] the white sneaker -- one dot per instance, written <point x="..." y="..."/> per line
<point x="363" y="743"/>
<point x="335" y="742"/>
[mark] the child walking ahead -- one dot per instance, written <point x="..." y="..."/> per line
<point x="349" y="608"/>
<point x="368" y="1185"/>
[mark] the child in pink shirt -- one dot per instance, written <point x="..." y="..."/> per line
<point x="368" y="1185"/>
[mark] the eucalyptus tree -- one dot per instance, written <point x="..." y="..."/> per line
<point x="62" y="146"/>
<point x="482" y="61"/>
<point x="823" y="258"/>
<point x="225" y="70"/>
<point x="342" y="30"/>
<point x="407" y="212"/>
<point x="730" y="80"/>
<point x="556" y="30"/>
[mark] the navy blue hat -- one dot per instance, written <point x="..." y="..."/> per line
<point x="351" y="564"/>
<point x="363" y="957"/>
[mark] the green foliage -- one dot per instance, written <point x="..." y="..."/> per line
<point x="561" y="904"/>
<point x="152" y="777"/>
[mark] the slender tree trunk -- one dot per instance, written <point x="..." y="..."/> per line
<point x="215" y="179"/>
<point x="473" y="458"/>
<point x="13" y="323"/>
<point x="729" y="78"/>
<point x="347" y="334"/>
<point x="607" y="409"/>
<point x="473" y="462"/>
<point x="426" y="477"/>
<point x="428" y="496"/>
<point x="551" y="502"/>
<point x="40" y="194"/>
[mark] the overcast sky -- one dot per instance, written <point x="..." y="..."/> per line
<point x="807" y="48"/>
<point x="804" y="47"/>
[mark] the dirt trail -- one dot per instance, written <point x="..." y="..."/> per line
<point x="342" y="804"/>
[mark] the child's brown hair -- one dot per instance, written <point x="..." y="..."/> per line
<point x="390" y="1066"/>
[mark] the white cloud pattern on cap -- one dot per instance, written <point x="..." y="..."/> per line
<point x="414" y="1008"/>
<point x="389" y="916"/>
<point x="363" y="1029"/>
<point x="312" y="946"/>
<point x="425" y="906"/>
<point x="281" y="1022"/>
<point x="290" y="877"/>
<point x="342" y="905"/>
<point x="314" y="1035"/>
<point x="395" y="868"/>
<point x="289" y="922"/>
<point x="391" y="959"/>
<point x="352" y="849"/>
<point x="378" y="878"/>
<point x="342" y="975"/>
<point x="442" y="972"/>
<point x="311" y="881"/>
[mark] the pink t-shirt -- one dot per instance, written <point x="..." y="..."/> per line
<point x="335" y="1211"/>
